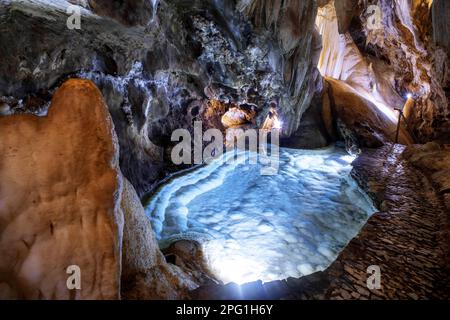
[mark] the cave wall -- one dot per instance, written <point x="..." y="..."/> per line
<point x="158" y="63"/>
<point x="161" y="65"/>
<point x="292" y="22"/>
<point x="138" y="12"/>
<point x="157" y="71"/>
<point x="405" y="42"/>
<point x="441" y="25"/>
<point x="388" y="62"/>
<point x="60" y="184"/>
<point x="64" y="202"/>
<point x="408" y="48"/>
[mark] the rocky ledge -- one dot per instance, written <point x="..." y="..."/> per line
<point x="408" y="240"/>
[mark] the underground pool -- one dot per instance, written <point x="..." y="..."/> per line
<point x="257" y="227"/>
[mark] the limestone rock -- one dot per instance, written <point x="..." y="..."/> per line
<point x="188" y="255"/>
<point x="314" y="131"/>
<point x="212" y="113"/>
<point x="129" y="12"/>
<point x="54" y="51"/>
<point x="236" y="116"/>
<point x="59" y="199"/>
<point x="345" y="10"/>
<point x="81" y="3"/>
<point x="154" y="62"/>
<point x="386" y="63"/>
<point x="145" y="272"/>
<point x="103" y="50"/>
<point x="293" y="22"/>
<point x="441" y="27"/>
<point x="64" y="202"/>
<point x="370" y="126"/>
<point x="433" y="159"/>
<point x="405" y="41"/>
<point x="341" y="59"/>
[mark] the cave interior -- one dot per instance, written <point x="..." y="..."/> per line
<point x="224" y="149"/>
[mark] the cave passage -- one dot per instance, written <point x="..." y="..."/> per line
<point x="254" y="227"/>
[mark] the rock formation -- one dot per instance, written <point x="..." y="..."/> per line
<point x="387" y="59"/>
<point x="65" y="202"/>
<point x="60" y="184"/>
<point x="145" y="273"/>
<point x="127" y="12"/>
<point x="158" y="63"/>
<point x="441" y="28"/>
<point x="434" y="159"/>
<point x="359" y="120"/>
<point x="86" y="117"/>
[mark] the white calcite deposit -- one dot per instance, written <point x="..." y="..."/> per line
<point x="256" y="227"/>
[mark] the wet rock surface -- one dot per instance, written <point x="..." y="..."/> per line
<point x="408" y="240"/>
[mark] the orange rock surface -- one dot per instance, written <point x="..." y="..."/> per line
<point x="361" y="116"/>
<point x="59" y="191"/>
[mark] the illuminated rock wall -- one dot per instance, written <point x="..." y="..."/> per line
<point x="158" y="63"/>
<point x="384" y="63"/>
<point x="404" y="41"/>
<point x="341" y="59"/>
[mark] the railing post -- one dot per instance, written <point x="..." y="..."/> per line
<point x="400" y="114"/>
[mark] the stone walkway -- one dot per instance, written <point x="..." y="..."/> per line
<point x="407" y="239"/>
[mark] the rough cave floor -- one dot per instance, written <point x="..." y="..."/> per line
<point x="406" y="239"/>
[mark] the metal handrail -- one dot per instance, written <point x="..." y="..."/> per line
<point x="400" y="117"/>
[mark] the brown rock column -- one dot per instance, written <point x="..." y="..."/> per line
<point x="59" y="199"/>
